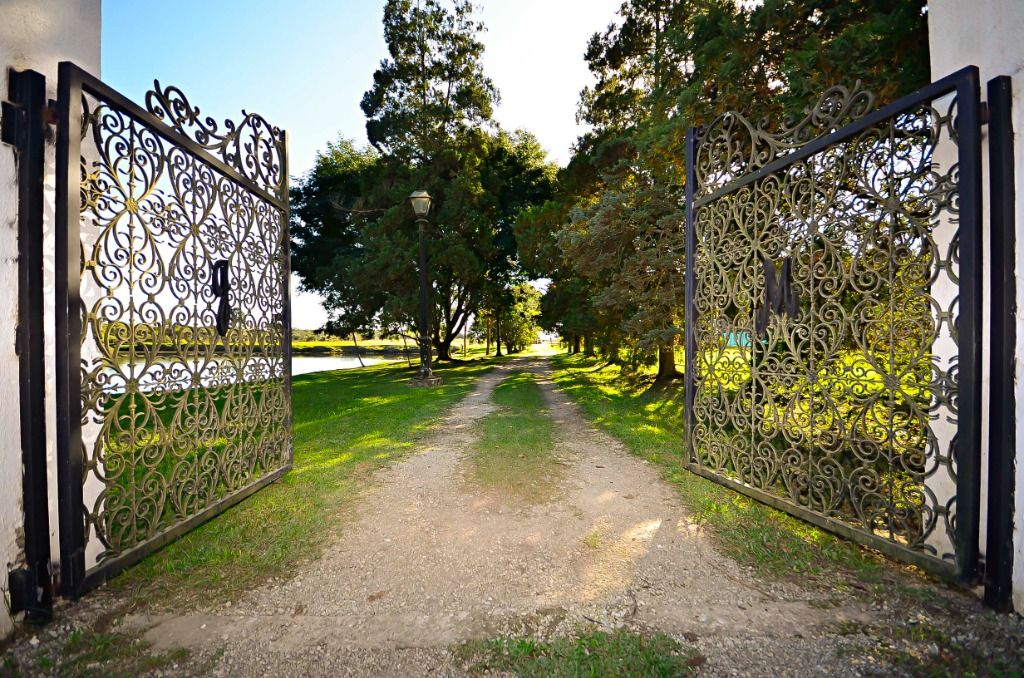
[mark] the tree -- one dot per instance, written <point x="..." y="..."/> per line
<point x="428" y="123"/>
<point x="433" y="89"/>
<point x="326" y="233"/>
<point x="665" y="66"/>
<point x="519" y="321"/>
<point x="627" y="242"/>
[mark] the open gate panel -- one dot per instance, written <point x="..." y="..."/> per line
<point x="172" y="320"/>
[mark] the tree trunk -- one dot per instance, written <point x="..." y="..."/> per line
<point x="575" y="343"/>
<point x="613" y="353"/>
<point x="497" y="336"/>
<point x="405" y="348"/>
<point x="444" y="348"/>
<point x="487" y="331"/>
<point x="666" y="365"/>
<point x="588" y="345"/>
<point x="356" y="344"/>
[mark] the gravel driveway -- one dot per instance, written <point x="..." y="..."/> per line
<point x="431" y="559"/>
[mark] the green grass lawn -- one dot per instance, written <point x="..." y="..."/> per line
<point x="513" y="454"/>
<point x="650" y="424"/>
<point x="346" y="424"/>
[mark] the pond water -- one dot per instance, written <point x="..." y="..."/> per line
<point x="174" y="375"/>
<point x="305" y="364"/>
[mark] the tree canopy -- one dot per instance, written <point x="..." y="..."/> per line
<point x="612" y="238"/>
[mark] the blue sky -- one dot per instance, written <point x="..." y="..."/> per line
<point x="304" y="65"/>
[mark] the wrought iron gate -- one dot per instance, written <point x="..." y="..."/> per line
<point x="172" y="317"/>
<point x="834" y="317"/>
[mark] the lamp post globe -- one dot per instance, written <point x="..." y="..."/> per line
<point x="420" y="201"/>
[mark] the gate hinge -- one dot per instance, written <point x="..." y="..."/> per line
<point x="12" y="123"/>
<point x="28" y="596"/>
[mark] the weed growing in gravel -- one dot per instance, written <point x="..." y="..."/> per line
<point x="620" y="653"/>
<point x="923" y="648"/>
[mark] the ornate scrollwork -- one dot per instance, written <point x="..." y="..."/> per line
<point x="731" y="145"/>
<point x="254" y="147"/>
<point x="846" y="403"/>
<point x="183" y="378"/>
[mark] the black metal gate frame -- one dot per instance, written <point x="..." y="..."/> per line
<point x="1002" y="446"/>
<point x="965" y="84"/>
<point x="73" y="82"/>
<point x="24" y="126"/>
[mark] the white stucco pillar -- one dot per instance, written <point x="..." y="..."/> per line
<point x="37" y="35"/>
<point x="987" y="34"/>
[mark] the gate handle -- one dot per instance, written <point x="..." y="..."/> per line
<point x="220" y="285"/>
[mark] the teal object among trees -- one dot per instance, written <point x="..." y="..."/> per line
<point x="737" y="339"/>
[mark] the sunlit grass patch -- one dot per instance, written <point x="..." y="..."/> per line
<point x="620" y="653"/>
<point x="346" y="423"/>
<point x="651" y="425"/>
<point x="513" y="453"/>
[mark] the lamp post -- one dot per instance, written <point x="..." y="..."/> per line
<point x="421" y="207"/>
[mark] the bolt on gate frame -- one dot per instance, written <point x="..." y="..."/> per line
<point x="834" y="317"/>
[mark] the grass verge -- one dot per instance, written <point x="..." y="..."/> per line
<point x="87" y="652"/>
<point x="922" y="648"/>
<point x="346" y="424"/>
<point x="513" y="453"/>
<point x="650" y="424"/>
<point x="620" y="653"/>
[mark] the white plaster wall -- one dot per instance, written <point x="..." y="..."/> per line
<point x="35" y="34"/>
<point x="987" y="34"/>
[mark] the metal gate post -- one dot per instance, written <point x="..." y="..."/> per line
<point x="68" y="330"/>
<point x="24" y="126"/>
<point x="1002" y="428"/>
<point x="689" y="329"/>
<point x="968" y="445"/>
<point x="286" y="292"/>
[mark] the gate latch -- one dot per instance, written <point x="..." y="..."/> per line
<point x="220" y="285"/>
<point x="779" y="295"/>
<point x="12" y="123"/>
